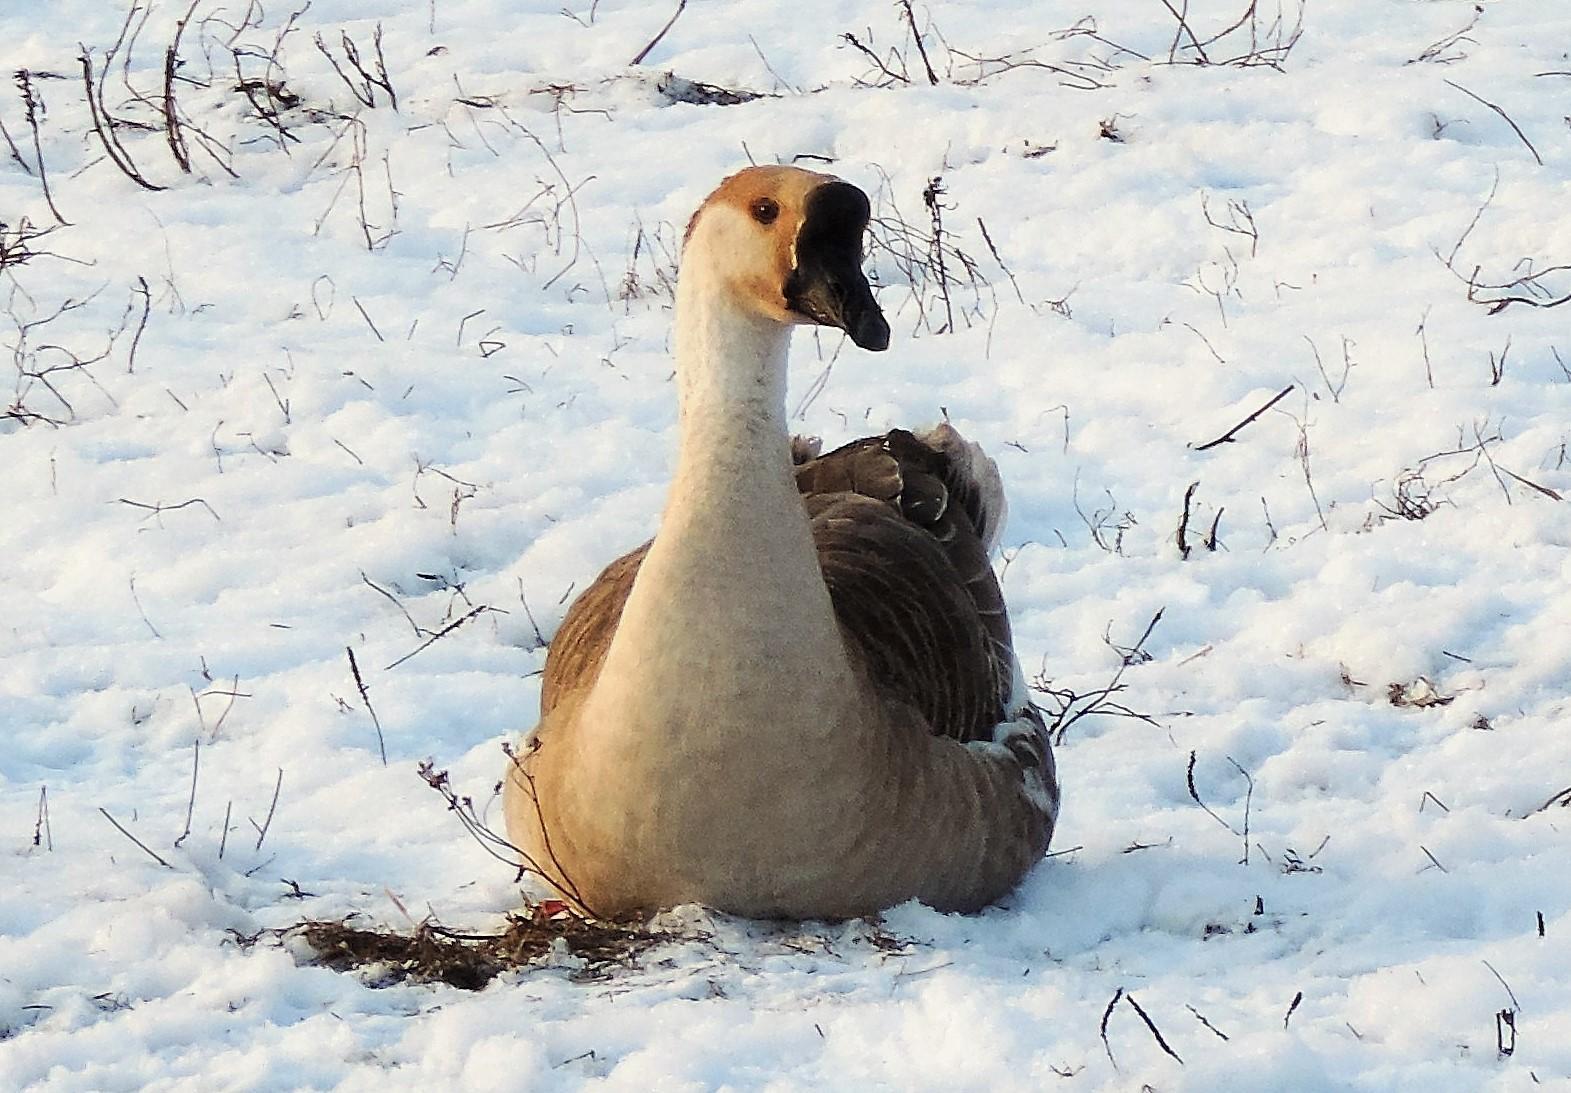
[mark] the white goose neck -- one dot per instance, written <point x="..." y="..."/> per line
<point x="730" y="367"/>
<point x="731" y="581"/>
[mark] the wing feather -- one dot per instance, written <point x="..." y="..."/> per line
<point x="895" y="519"/>
<point x="578" y="647"/>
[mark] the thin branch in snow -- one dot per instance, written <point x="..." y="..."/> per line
<point x="30" y="105"/>
<point x="638" y="58"/>
<point x="993" y="249"/>
<point x="103" y="124"/>
<point x="196" y="762"/>
<point x="1269" y="44"/>
<point x="540" y="639"/>
<point x="1118" y="996"/>
<point x="1563" y="799"/>
<point x="935" y="211"/>
<point x="1150" y="1024"/>
<point x="172" y="130"/>
<point x="365" y="697"/>
<point x="136" y="339"/>
<point x="261" y="831"/>
<point x="146" y="849"/>
<point x="1240" y="221"/>
<point x="420" y="631"/>
<point x="137" y="600"/>
<point x="1270" y="527"/>
<point x="1072" y="706"/>
<point x="1201" y="1018"/>
<point x="223" y="836"/>
<point x="1431" y="797"/>
<point x="1189" y="778"/>
<point x="567" y="198"/>
<point x="440" y="634"/>
<point x="1227" y="437"/>
<point x="18" y="245"/>
<point x="1101" y="520"/>
<point x="927" y="260"/>
<point x="1196" y="332"/>
<point x="361" y="308"/>
<point x="1531" y="288"/>
<point x="1089" y="74"/>
<point x="1301" y="453"/>
<point x="1183" y="522"/>
<point x="1489" y="198"/>
<point x="498" y="846"/>
<point x="780" y="81"/>
<point x="1227" y="271"/>
<point x="1515" y="128"/>
<point x="16" y="153"/>
<point x="1293" y="862"/>
<point x="1106" y="1016"/>
<point x="1181" y="32"/>
<point x="157" y="508"/>
<point x="1423" y="341"/>
<point x="1515" y="1005"/>
<point x="889" y="76"/>
<point x="44" y="836"/>
<point x="1333" y="389"/>
<point x="1497" y="365"/>
<point x="916" y="36"/>
<point x="1445" y="51"/>
<point x="367" y="79"/>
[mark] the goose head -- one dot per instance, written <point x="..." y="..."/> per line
<point x="786" y="245"/>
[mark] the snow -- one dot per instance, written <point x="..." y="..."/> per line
<point x="478" y="406"/>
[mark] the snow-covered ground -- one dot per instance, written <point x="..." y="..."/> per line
<point x="420" y="355"/>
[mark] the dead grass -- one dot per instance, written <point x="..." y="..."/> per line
<point x="434" y="953"/>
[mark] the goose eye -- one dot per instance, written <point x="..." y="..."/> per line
<point x="764" y="210"/>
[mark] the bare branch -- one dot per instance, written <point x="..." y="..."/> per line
<point x="261" y="832"/>
<point x="1227" y="437"/>
<point x="1515" y="128"/>
<point x="30" y="104"/>
<point x="638" y="58"/>
<point x="145" y="848"/>
<point x="354" y="668"/>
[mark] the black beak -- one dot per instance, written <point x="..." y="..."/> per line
<point x="827" y="285"/>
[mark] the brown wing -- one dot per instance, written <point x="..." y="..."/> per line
<point x="895" y="519"/>
<point x="900" y="523"/>
<point x="579" y="644"/>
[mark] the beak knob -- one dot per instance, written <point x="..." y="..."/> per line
<point x="827" y="285"/>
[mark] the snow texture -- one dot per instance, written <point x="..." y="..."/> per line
<point x="421" y="355"/>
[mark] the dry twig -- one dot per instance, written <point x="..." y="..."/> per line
<point x="1072" y="706"/>
<point x="367" y="79"/>
<point x="1515" y="128"/>
<point x="149" y="851"/>
<point x="638" y="59"/>
<point x="354" y="668"/>
<point x="1227" y="437"/>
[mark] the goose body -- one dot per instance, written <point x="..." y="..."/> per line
<point x="799" y="699"/>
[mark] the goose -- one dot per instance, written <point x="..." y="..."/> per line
<point x="799" y="700"/>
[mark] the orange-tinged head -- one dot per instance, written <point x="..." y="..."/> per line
<point x="788" y="244"/>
